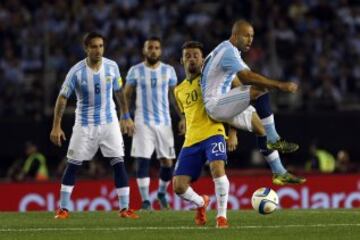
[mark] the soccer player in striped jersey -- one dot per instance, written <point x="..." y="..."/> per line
<point x="153" y="81"/>
<point x="94" y="79"/>
<point x="222" y="69"/>
<point x="223" y="103"/>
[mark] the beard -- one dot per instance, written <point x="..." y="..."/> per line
<point x="152" y="60"/>
<point x="193" y="69"/>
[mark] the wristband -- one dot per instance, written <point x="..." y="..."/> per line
<point x="125" y="116"/>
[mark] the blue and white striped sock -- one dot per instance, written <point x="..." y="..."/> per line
<point x="143" y="184"/>
<point x="123" y="195"/>
<point x="274" y="161"/>
<point x="65" y="194"/>
<point x="269" y="125"/>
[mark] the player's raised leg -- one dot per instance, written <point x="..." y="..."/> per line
<point x="249" y="121"/>
<point x="263" y="108"/>
<point x="280" y="175"/>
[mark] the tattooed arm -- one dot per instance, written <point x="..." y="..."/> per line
<point x="57" y="134"/>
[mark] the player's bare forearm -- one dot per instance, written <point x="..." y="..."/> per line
<point x="122" y="102"/>
<point x="232" y="131"/>
<point x="59" y="110"/>
<point x="249" y="77"/>
<point x="126" y="123"/>
<point x="261" y="81"/>
<point x="174" y="103"/>
<point x="232" y="141"/>
<point x="129" y="90"/>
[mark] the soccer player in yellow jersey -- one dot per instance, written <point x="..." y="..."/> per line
<point x="204" y="141"/>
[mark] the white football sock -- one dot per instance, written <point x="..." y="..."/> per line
<point x="192" y="196"/>
<point x="222" y="186"/>
<point x="143" y="184"/>
<point x="123" y="196"/>
<point x="163" y="186"/>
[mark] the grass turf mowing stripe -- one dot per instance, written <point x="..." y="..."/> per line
<point x="175" y="228"/>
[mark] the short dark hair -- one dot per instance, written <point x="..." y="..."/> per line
<point x="154" y="38"/>
<point x="90" y="36"/>
<point x="193" y="44"/>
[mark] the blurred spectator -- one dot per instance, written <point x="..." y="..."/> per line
<point x="343" y="163"/>
<point x="39" y="41"/>
<point x="327" y="96"/>
<point x="33" y="168"/>
<point x="320" y="160"/>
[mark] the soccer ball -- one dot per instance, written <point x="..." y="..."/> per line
<point x="265" y="200"/>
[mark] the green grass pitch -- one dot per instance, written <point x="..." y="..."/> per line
<point x="244" y="224"/>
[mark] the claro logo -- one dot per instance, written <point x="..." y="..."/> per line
<point x="239" y="198"/>
<point x="304" y="199"/>
<point x="106" y="201"/>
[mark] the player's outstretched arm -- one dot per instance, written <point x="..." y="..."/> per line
<point x="57" y="135"/>
<point x="126" y="123"/>
<point x="249" y="77"/>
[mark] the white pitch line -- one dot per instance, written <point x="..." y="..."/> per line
<point x="176" y="228"/>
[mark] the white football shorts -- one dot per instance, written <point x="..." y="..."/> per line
<point x="146" y="139"/>
<point x="233" y="108"/>
<point x="243" y="120"/>
<point x="85" y="141"/>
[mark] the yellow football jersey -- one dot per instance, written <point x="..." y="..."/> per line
<point x="199" y="126"/>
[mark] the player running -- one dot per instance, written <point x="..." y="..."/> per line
<point x="96" y="124"/>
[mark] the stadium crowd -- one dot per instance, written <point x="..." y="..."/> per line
<point x="313" y="42"/>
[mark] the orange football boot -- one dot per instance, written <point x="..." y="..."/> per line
<point x="200" y="216"/>
<point x="62" y="213"/>
<point x="128" y="213"/>
<point x="221" y="222"/>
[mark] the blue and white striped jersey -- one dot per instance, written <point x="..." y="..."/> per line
<point x="219" y="70"/>
<point x="152" y="88"/>
<point x="94" y="92"/>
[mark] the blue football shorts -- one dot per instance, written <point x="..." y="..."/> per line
<point x="192" y="159"/>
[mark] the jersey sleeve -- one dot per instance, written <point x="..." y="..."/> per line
<point x="68" y="86"/>
<point x="232" y="61"/>
<point x="173" y="78"/>
<point x="178" y="101"/>
<point x="117" y="81"/>
<point x="131" y="78"/>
